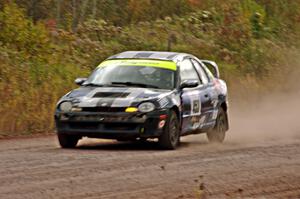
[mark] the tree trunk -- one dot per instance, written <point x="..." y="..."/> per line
<point x="83" y="9"/>
<point x="32" y="9"/>
<point x="58" y="12"/>
<point x="94" y="14"/>
<point x="75" y="15"/>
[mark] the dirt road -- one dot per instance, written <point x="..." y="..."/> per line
<point x="260" y="159"/>
<point x="38" y="168"/>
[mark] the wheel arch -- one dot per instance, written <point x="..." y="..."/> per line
<point x="224" y="106"/>
<point x="176" y="110"/>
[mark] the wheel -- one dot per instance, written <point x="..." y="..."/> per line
<point x="171" y="136"/>
<point x="217" y="134"/>
<point x="67" y="141"/>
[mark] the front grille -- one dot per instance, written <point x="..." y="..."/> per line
<point x="84" y="125"/>
<point x="103" y="109"/>
<point x="120" y="126"/>
<point x="100" y="118"/>
<point x="102" y="126"/>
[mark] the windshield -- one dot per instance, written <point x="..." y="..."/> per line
<point x="135" y="76"/>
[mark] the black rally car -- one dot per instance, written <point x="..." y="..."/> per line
<point x="140" y="95"/>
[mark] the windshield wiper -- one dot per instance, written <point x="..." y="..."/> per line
<point x="135" y="84"/>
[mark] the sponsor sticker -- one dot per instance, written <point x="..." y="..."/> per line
<point x="141" y="62"/>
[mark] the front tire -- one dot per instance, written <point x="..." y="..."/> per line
<point x="217" y="134"/>
<point x="171" y="135"/>
<point x="67" y="141"/>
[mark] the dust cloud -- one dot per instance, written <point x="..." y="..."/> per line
<point x="271" y="118"/>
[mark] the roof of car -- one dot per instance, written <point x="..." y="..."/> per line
<point x="168" y="56"/>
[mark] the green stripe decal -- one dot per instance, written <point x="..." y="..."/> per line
<point x="141" y="62"/>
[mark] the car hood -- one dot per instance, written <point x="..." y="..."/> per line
<point x="113" y="96"/>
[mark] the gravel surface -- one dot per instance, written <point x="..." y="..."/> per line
<point x="38" y="168"/>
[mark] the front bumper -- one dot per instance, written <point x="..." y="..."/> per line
<point x="110" y="125"/>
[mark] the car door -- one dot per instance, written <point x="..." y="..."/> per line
<point x="210" y="96"/>
<point x="193" y="99"/>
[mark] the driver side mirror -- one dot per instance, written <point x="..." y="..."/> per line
<point x="189" y="84"/>
<point x="80" y="81"/>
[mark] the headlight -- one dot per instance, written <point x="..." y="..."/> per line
<point x="146" y="107"/>
<point x="66" y="106"/>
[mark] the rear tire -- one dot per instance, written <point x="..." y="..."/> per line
<point x="171" y="136"/>
<point x="217" y="134"/>
<point x="67" y="141"/>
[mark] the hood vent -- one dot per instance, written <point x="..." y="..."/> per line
<point x="110" y="95"/>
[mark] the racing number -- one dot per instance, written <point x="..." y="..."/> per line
<point x="196" y="107"/>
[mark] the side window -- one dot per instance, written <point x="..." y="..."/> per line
<point x="201" y="71"/>
<point x="208" y="70"/>
<point x="187" y="71"/>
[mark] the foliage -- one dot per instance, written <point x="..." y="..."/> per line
<point x="31" y="75"/>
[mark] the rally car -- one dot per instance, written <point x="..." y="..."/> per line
<point x="145" y="95"/>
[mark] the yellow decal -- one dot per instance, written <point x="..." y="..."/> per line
<point x="141" y="62"/>
<point x="131" y="110"/>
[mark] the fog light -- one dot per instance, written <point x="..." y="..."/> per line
<point x="131" y="110"/>
<point x="161" y="124"/>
